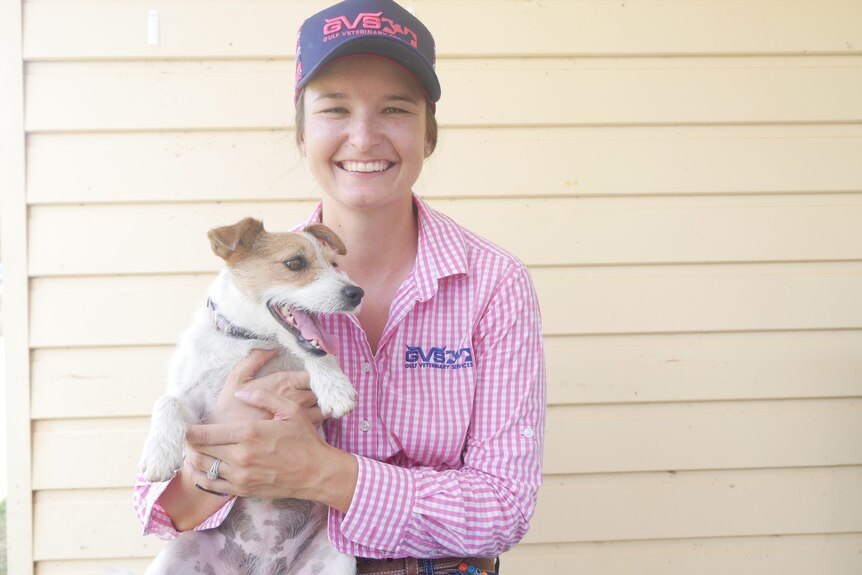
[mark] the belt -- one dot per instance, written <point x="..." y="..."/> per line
<point x="442" y="566"/>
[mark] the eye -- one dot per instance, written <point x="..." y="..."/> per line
<point x="295" y="264"/>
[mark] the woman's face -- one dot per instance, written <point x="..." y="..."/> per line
<point x="365" y="131"/>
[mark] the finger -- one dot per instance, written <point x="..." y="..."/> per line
<point x="214" y="434"/>
<point x="221" y="486"/>
<point x="282" y="382"/>
<point x="314" y="415"/>
<point x="251" y="364"/>
<point x="269" y="401"/>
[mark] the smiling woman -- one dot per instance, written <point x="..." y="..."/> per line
<point x="439" y="464"/>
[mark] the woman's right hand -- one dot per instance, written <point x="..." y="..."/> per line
<point x="292" y="385"/>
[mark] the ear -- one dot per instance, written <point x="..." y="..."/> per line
<point x="326" y="236"/>
<point x="228" y="242"/>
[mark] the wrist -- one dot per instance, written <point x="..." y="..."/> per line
<point x="336" y="479"/>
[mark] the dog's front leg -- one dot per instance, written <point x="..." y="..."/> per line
<point x="336" y="396"/>
<point x="163" y="450"/>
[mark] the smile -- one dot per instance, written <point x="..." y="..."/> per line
<point x="365" y="167"/>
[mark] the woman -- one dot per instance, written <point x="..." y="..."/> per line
<point x="442" y="456"/>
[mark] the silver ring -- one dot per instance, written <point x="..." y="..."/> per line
<point x="212" y="474"/>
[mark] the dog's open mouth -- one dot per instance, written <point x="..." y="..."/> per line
<point x="306" y="328"/>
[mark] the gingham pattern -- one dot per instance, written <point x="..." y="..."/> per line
<point x="449" y="458"/>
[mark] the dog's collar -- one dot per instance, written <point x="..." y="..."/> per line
<point x="230" y="329"/>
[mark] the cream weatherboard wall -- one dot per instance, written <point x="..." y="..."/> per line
<point x="684" y="179"/>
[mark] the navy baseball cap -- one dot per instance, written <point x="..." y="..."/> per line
<point x="376" y="27"/>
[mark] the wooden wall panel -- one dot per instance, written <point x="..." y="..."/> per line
<point x="158" y="95"/>
<point x="703" y="367"/>
<point x="508" y="27"/>
<point x="97" y="381"/>
<point x="679" y="505"/>
<point x="542" y="232"/>
<point x="682" y="505"/>
<point x="793" y="554"/>
<point x="147" y="167"/>
<point x="715" y="435"/>
<point x="682" y="177"/>
<point x="152" y="310"/>
<point x="103" y="453"/>
<point x="92" y="382"/>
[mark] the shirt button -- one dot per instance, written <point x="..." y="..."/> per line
<point x="364" y="425"/>
<point x="528" y="432"/>
<point x="366" y="367"/>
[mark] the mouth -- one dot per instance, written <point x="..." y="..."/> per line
<point x="365" y="167"/>
<point x="305" y="327"/>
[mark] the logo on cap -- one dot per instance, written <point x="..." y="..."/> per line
<point x="367" y="23"/>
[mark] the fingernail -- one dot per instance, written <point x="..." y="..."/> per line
<point x="242" y="394"/>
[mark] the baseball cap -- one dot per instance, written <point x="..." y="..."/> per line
<point x="376" y="27"/>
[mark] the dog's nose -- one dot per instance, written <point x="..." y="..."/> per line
<point x="353" y="294"/>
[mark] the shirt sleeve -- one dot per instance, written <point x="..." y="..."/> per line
<point x="485" y="507"/>
<point x="154" y="517"/>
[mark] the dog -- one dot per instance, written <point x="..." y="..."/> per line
<point x="268" y="296"/>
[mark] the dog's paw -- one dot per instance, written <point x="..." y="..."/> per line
<point x="337" y="400"/>
<point x="160" y="465"/>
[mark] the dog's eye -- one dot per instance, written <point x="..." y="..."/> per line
<point x="295" y="264"/>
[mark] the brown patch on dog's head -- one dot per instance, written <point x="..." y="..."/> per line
<point x="327" y="237"/>
<point x="232" y="243"/>
<point x="262" y="261"/>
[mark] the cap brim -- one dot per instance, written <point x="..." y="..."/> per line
<point x="387" y="48"/>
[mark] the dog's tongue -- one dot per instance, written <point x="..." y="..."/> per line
<point x="311" y="329"/>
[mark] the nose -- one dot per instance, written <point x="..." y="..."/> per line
<point x="364" y="132"/>
<point x="353" y="295"/>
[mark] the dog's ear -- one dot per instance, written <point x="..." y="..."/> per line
<point x="327" y="236"/>
<point x="228" y="242"/>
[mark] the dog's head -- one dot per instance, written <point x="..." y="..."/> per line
<point x="293" y="274"/>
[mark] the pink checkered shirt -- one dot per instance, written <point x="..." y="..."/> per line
<point x="448" y="429"/>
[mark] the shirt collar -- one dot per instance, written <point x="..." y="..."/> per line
<point x="442" y="249"/>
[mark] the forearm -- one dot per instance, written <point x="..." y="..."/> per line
<point x="422" y="512"/>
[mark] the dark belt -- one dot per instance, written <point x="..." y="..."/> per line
<point x="410" y="566"/>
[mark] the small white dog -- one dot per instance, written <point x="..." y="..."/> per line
<point x="268" y="296"/>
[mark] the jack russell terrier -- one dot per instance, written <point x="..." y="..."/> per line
<point x="268" y="296"/>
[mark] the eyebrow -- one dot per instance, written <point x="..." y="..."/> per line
<point x="389" y="98"/>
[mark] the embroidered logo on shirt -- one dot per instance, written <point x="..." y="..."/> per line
<point x="437" y="357"/>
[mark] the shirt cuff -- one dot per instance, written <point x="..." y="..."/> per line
<point x="381" y="508"/>
<point x="157" y="521"/>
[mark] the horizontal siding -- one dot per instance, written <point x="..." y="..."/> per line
<point x="790" y="554"/>
<point x="214" y="95"/>
<point x="84" y="524"/>
<point x="681" y="177"/>
<point x="153" y="310"/>
<point x="547" y="27"/>
<point x="582" y="370"/>
<point x="119" y="566"/>
<point x="553" y="232"/>
<point x="74" y="168"/>
<point x="679" y="505"/>
<point x="580" y="440"/>
<point x="703" y="367"/>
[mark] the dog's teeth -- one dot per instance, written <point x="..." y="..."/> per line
<point x="315" y="343"/>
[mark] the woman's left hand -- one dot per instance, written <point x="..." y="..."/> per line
<point x="269" y="459"/>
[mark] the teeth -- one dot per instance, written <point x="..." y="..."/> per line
<point x="315" y="343"/>
<point x="364" y="166"/>
<point x="287" y="316"/>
